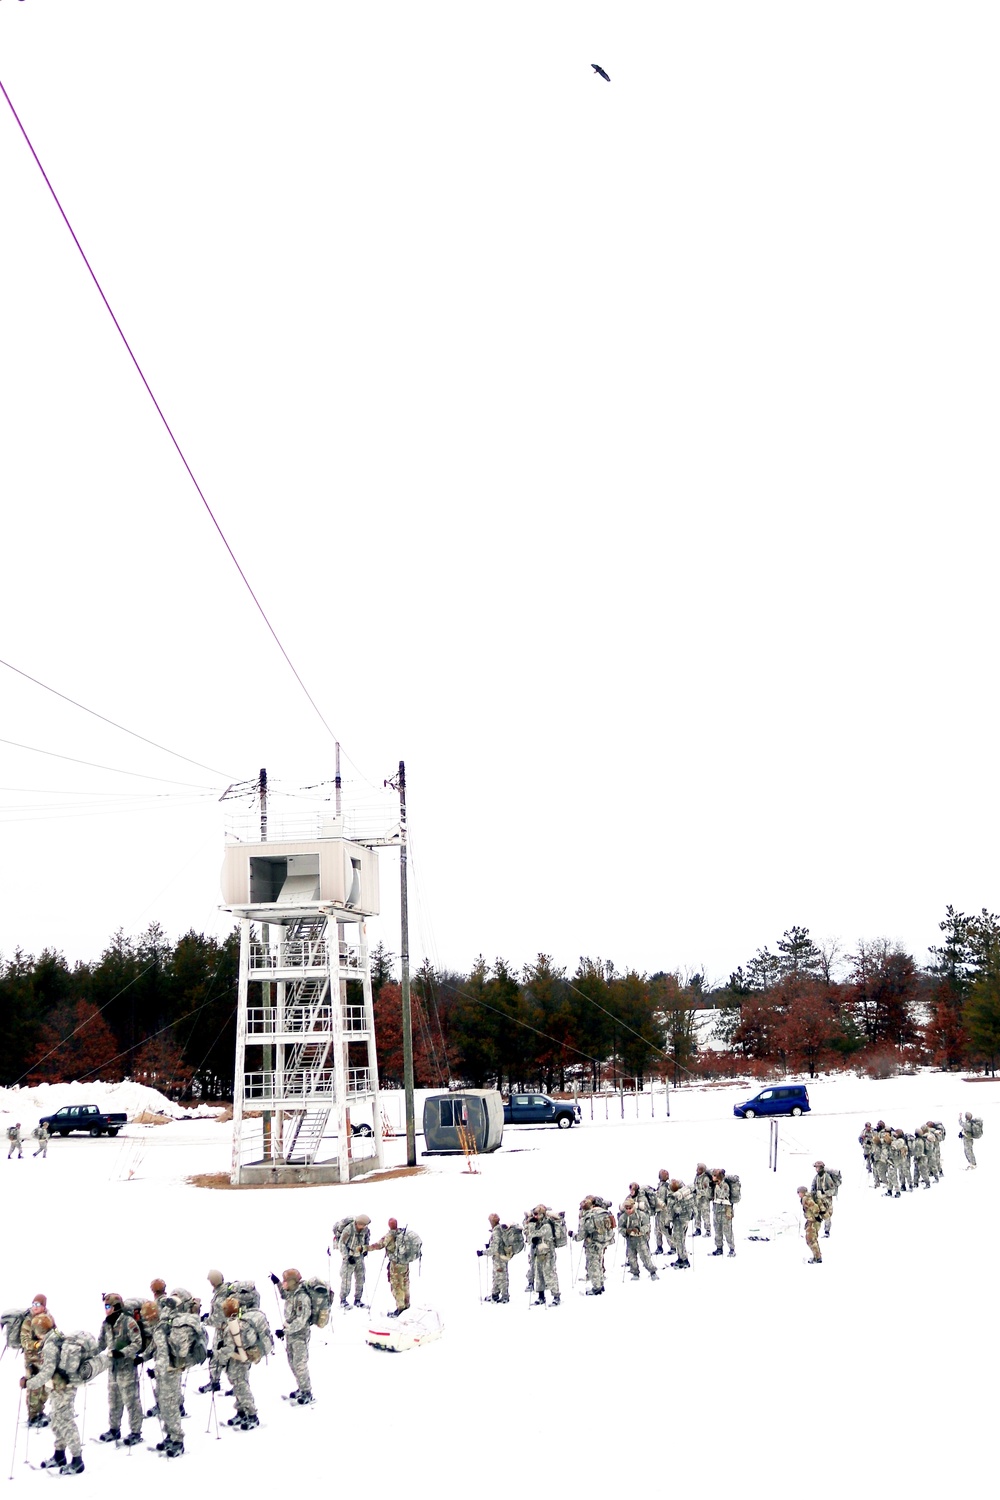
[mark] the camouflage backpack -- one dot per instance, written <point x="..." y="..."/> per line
<point x="319" y="1296"/>
<point x="512" y="1239"/>
<point x="12" y="1132"/>
<point x="560" y="1234"/>
<point x="196" y="1351"/>
<point x="409" y="1246"/>
<point x="11" y="1321"/>
<point x="340" y="1226"/>
<point x="133" y="1306"/>
<point x="604" y="1225"/>
<point x="838" y="1178"/>
<point x="256" y="1334"/>
<point x="245" y="1293"/>
<point x="78" y="1353"/>
<point x="735" y="1190"/>
<point x="975" y="1129"/>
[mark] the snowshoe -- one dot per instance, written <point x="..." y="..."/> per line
<point x="41" y="1420"/>
<point x="75" y="1466"/>
<point x="250" y="1421"/>
<point x="57" y="1461"/>
<point x="211" y="1385"/>
<point x="113" y="1435"/>
<point x="174" y="1448"/>
<point x="304" y="1398"/>
<point x="132" y="1439"/>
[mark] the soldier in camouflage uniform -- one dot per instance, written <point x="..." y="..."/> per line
<point x="824" y="1190"/>
<point x="682" y="1205"/>
<point x="812" y="1213"/>
<point x="158" y="1317"/>
<point x="41" y="1135"/>
<point x="16" y="1141"/>
<point x="297" y="1329"/>
<point x="31" y="1347"/>
<point x="541" y="1237"/>
<point x="918" y="1156"/>
<point x="889" y="1166"/>
<point x="722" y="1212"/>
<point x="65" y="1433"/>
<point x="233" y="1353"/>
<point x="899" y="1150"/>
<point x="633" y="1226"/>
<point x="594" y="1245"/>
<point x="500" y="1257"/>
<point x="660" y="1220"/>
<point x="354" y="1240"/>
<point x="216" y="1320"/>
<point x="121" y="1338"/>
<point x="867" y="1142"/>
<point x="702" y="1201"/>
<point x="880" y="1159"/>
<point x="967" y="1140"/>
<point x="398" y="1270"/>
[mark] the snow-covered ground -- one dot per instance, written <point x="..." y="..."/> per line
<point x="870" y="1372"/>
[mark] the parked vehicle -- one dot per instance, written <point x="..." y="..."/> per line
<point x="83" y="1117"/>
<point x="788" y="1099"/>
<point x="539" y="1109"/>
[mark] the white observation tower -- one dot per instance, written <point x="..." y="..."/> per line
<point x="305" y="1034"/>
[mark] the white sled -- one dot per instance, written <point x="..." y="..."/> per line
<point x="419" y="1325"/>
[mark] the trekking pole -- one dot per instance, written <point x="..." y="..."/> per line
<point x="213" y="1413"/>
<point x="479" y="1272"/>
<point x="83" y="1422"/>
<point x="17" y="1423"/>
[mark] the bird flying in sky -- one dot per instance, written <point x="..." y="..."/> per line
<point x="598" y="69"/>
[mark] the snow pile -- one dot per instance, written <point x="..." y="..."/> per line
<point x="28" y="1105"/>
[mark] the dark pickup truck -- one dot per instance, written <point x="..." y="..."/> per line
<point x="83" y="1117"/>
<point x="539" y="1109"/>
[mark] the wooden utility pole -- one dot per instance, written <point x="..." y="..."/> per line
<point x="404" y="961"/>
<point x="265" y="933"/>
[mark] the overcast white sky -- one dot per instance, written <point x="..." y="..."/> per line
<point x="624" y="457"/>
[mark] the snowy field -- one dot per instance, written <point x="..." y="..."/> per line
<point x="869" y="1374"/>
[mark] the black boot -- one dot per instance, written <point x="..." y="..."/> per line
<point x="344" y="1303"/>
<point x="174" y="1448"/>
<point x="113" y="1435"/>
<point x="132" y="1439"/>
<point x="732" y="1251"/>
<point x="211" y="1385"/>
<point x="57" y="1460"/>
<point x="75" y="1466"/>
<point x="540" y="1300"/>
<point x="717" y="1252"/>
<point x="250" y="1420"/>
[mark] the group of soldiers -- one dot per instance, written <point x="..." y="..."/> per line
<point x="15" y="1140"/>
<point x="166" y="1334"/>
<point x="899" y="1161"/>
<point x="159" y="1334"/>
<point x="667" y="1211"/>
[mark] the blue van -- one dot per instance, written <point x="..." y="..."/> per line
<point x="786" y="1099"/>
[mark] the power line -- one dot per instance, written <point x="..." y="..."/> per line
<point x="95" y="765"/>
<point x="180" y="452"/>
<point x="104" y="718"/>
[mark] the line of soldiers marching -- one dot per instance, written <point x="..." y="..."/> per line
<point x="667" y="1211"/>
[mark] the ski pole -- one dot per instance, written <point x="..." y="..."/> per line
<point x="213" y="1413"/>
<point x="83" y="1423"/>
<point x="17" y="1423"/>
<point x="479" y="1272"/>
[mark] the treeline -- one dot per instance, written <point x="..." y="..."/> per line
<point x="161" y="1013"/>
<point x="803" y="1007"/>
<point x="165" y="1014"/>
